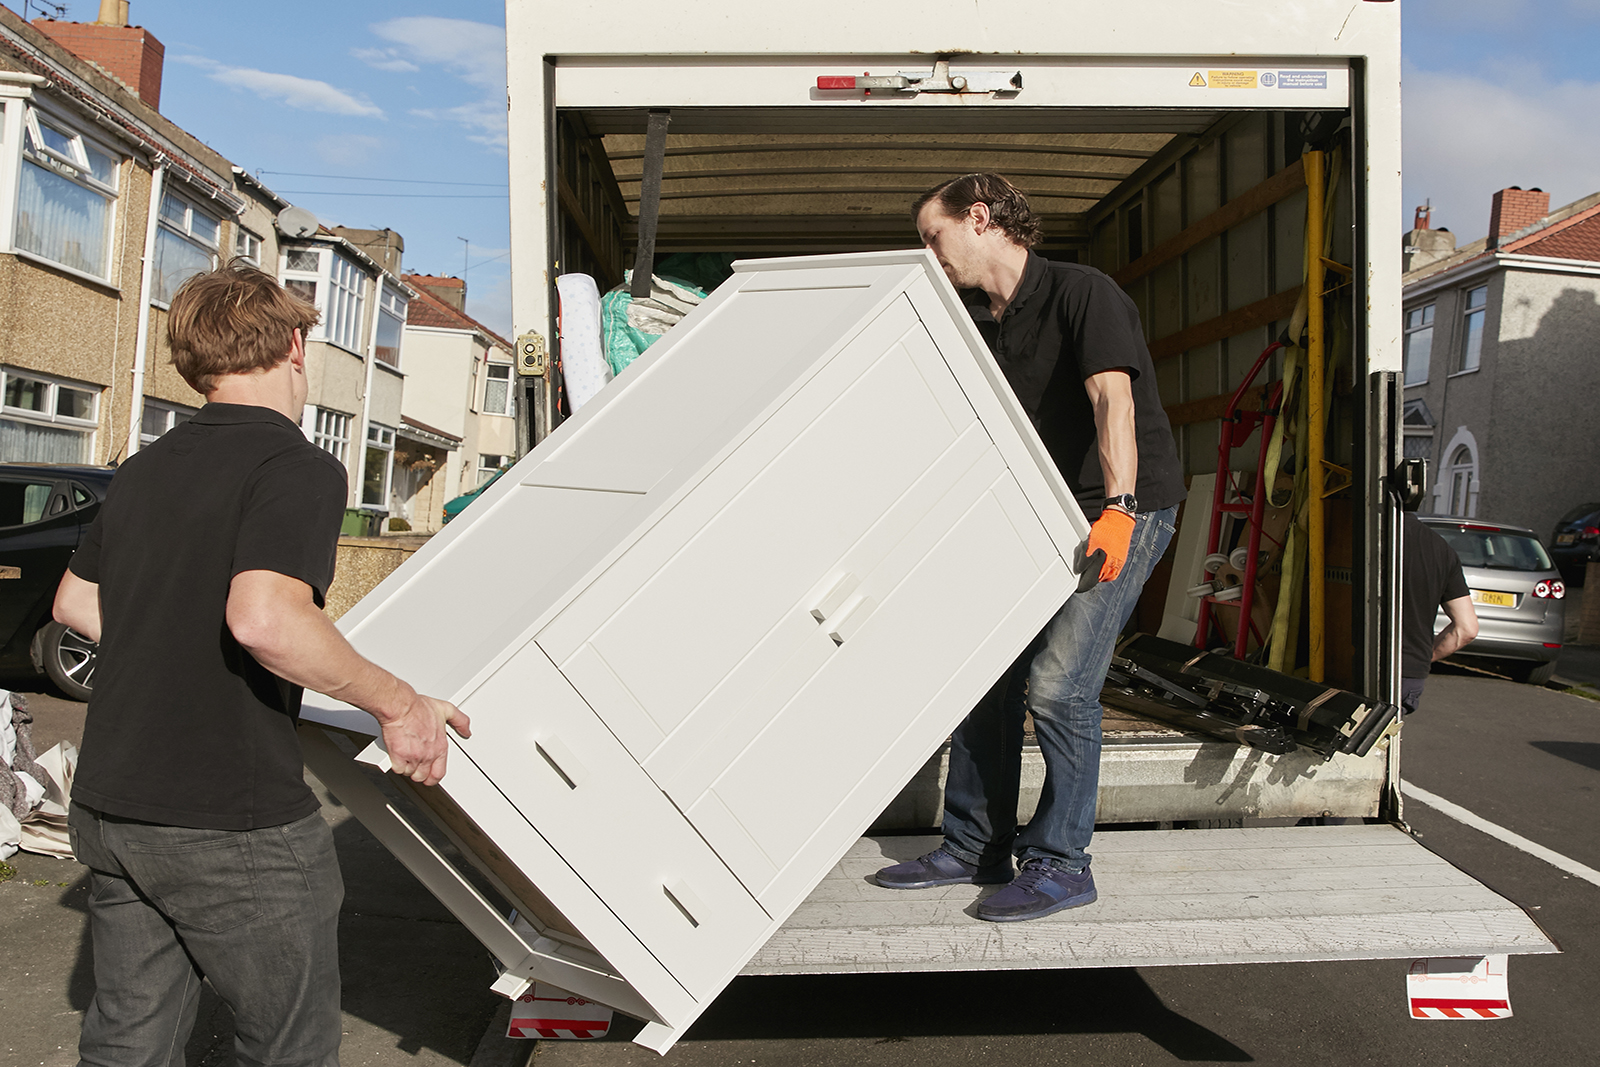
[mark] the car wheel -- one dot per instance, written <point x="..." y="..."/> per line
<point x="69" y="659"/>
<point x="1534" y="673"/>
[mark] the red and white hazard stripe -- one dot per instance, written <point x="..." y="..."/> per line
<point x="1458" y="1008"/>
<point x="575" y="1029"/>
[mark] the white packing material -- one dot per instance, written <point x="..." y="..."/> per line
<point x="583" y="362"/>
<point x="45" y="829"/>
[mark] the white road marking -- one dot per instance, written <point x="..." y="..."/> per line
<point x="1500" y="833"/>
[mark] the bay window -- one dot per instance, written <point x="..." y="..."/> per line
<point x="186" y="245"/>
<point x="65" y="193"/>
<point x="380" y="463"/>
<point x="45" y="419"/>
<point x="391" y="326"/>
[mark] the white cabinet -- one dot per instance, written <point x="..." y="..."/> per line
<point x="714" y="623"/>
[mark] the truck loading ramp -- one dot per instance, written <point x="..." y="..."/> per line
<point x="1167" y="897"/>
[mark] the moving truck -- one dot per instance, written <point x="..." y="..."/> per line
<point x="1222" y="162"/>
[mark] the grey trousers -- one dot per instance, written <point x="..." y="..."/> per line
<point x="254" y="911"/>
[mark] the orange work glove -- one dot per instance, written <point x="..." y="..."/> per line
<point x="1111" y="532"/>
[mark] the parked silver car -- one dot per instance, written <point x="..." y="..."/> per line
<point x="1517" y="592"/>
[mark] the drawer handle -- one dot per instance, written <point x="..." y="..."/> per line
<point x="855" y="612"/>
<point x="562" y="761"/>
<point x="685" y="901"/>
<point x="826" y="601"/>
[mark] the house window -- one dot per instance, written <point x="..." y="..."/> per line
<point x="331" y="433"/>
<point x="380" y="463"/>
<point x="1463" y="476"/>
<point x="302" y="270"/>
<point x="159" y="417"/>
<point x="497" y="389"/>
<point x="247" y="245"/>
<point x="1472" y="339"/>
<point x="186" y="245"/>
<point x="391" y="325"/>
<point x="64" y="196"/>
<point x="1416" y="422"/>
<point x="1419" y="344"/>
<point x="488" y="464"/>
<point x="341" y="319"/>
<point x="46" y="420"/>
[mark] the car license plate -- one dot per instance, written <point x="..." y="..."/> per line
<point x="1566" y="539"/>
<point x="1499" y="600"/>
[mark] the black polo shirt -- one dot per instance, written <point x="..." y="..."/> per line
<point x="1066" y="323"/>
<point x="1431" y="577"/>
<point x="185" y="728"/>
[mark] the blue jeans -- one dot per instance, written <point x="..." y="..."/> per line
<point x="1058" y="678"/>
<point x="254" y="911"/>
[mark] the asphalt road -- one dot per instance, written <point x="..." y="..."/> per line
<point x="1527" y="759"/>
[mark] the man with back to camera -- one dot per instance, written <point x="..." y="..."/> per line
<point x="1070" y="344"/>
<point x="1432" y="580"/>
<point x="202" y="578"/>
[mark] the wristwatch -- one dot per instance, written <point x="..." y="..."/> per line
<point x="1125" y="502"/>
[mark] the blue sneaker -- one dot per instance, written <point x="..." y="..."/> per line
<point x="1039" y="889"/>
<point x="941" y="868"/>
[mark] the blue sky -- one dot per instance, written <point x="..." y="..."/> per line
<point x="1499" y="93"/>
<point x="398" y="110"/>
<point x="401" y="105"/>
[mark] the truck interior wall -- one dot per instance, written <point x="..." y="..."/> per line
<point x="1257" y="261"/>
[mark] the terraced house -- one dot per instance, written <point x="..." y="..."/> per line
<point x="1502" y="360"/>
<point x="106" y="207"/>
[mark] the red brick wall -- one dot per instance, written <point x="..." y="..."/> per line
<point x="1515" y="209"/>
<point x="129" y="53"/>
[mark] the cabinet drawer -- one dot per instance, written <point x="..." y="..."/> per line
<point x="570" y="778"/>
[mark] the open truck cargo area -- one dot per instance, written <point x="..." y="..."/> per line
<point x="1236" y="170"/>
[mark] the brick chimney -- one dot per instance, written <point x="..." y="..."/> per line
<point x="450" y="291"/>
<point x="1515" y="209"/>
<point x="130" y="54"/>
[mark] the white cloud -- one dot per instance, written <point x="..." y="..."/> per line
<point x="486" y="117"/>
<point x="473" y="51"/>
<point x="307" y="94"/>
<point x="384" y="59"/>
<point x="1468" y="136"/>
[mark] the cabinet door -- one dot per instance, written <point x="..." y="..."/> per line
<point x="566" y="774"/>
<point x="718" y="596"/>
<point x="934" y="624"/>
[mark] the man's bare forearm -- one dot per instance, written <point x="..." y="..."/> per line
<point x="303" y="646"/>
<point x="1461" y="630"/>
<point x="77" y="605"/>
<point x="276" y="620"/>
<point x="1116" y="432"/>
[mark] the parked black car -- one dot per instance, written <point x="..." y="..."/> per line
<point x="1576" y="541"/>
<point x="45" y="509"/>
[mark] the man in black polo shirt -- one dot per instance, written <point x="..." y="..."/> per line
<point x="1069" y="342"/>
<point x="203" y="578"/>
<point x="1432" y="579"/>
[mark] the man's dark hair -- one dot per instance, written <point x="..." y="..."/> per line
<point x="1007" y="206"/>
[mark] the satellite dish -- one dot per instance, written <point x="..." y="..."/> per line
<point x="296" y="222"/>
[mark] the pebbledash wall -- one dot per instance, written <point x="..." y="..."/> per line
<point x="1503" y="346"/>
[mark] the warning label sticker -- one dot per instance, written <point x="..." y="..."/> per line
<point x="1198" y="81"/>
<point x="1231" y="79"/>
<point x="1302" y="79"/>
